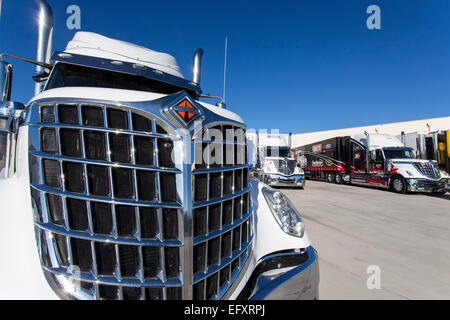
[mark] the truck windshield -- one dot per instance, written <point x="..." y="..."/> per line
<point x="278" y="152"/>
<point x="69" y="75"/>
<point x="398" y="154"/>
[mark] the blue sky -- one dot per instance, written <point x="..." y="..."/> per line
<point x="296" y="66"/>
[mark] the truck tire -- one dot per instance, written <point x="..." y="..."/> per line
<point x="398" y="184"/>
<point x="330" y="177"/>
<point x="338" y="179"/>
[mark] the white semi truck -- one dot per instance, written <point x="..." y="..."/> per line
<point x="273" y="162"/>
<point x="114" y="188"/>
<point x="432" y="146"/>
<point x="379" y="160"/>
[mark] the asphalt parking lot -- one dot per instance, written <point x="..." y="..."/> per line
<point x="352" y="228"/>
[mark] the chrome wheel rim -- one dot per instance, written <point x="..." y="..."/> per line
<point x="398" y="185"/>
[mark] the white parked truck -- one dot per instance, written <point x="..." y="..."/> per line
<point x="275" y="165"/>
<point x="372" y="159"/>
<point x="431" y="146"/>
<point x="119" y="183"/>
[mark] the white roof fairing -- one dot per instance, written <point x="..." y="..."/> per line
<point x="271" y="140"/>
<point x="379" y="140"/>
<point x="96" y="45"/>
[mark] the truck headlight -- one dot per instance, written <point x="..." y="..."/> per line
<point x="284" y="212"/>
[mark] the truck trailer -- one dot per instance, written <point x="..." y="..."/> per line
<point x="379" y="160"/>
<point x="118" y="182"/>
<point x="273" y="161"/>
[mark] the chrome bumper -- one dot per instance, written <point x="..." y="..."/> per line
<point x="295" y="180"/>
<point x="285" y="276"/>
<point x="429" y="186"/>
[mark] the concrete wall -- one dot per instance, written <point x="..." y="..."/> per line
<point x="421" y="126"/>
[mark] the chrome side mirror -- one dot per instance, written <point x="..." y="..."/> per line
<point x="10" y="114"/>
<point x="5" y="80"/>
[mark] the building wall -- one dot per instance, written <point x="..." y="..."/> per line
<point x="396" y="128"/>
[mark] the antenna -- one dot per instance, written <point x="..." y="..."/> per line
<point x="224" y="68"/>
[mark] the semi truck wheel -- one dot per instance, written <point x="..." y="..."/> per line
<point x="330" y="177"/>
<point x="339" y="179"/>
<point x="398" y="184"/>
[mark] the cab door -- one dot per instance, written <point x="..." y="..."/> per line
<point x="358" y="173"/>
<point x="358" y="157"/>
<point x="377" y="162"/>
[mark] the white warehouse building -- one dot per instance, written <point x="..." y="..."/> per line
<point x="395" y="128"/>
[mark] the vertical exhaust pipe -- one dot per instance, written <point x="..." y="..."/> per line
<point x="421" y="146"/>
<point x="197" y="69"/>
<point x="45" y="35"/>
<point x="367" y="151"/>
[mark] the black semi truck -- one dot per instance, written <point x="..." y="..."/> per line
<point x="371" y="159"/>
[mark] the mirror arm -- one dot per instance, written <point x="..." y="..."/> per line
<point x="41" y="64"/>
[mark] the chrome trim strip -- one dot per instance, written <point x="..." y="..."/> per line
<point x="79" y="196"/>
<point x="221" y="169"/>
<point x="222" y="231"/>
<point x="103" y="129"/>
<point x="219" y="200"/>
<point x="111" y="280"/>
<point x="41" y="154"/>
<point x="108" y="239"/>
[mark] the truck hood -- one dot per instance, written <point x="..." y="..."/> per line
<point x="120" y="95"/>
<point x="409" y="167"/>
<point x="408" y="161"/>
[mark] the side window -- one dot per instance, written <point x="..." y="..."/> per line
<point x="376" y="160"/>
<point x="379" y="155"/>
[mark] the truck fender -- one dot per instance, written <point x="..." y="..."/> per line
<point x="269" y="237"/>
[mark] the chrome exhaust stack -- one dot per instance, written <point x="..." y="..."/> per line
<point x="197" y="68"/>
<point x="367" y="151"/>
<point x="10" y="115"/>
<point x="45" y="35"/>
<point x="5" y="81"/>
<point x="290" y="141"/>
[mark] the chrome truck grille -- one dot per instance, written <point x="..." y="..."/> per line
<point x="113" y="205"/>
<point x="221" y="211"/>
<point x="428" y="169"/>
<point x="285" y="166"/>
